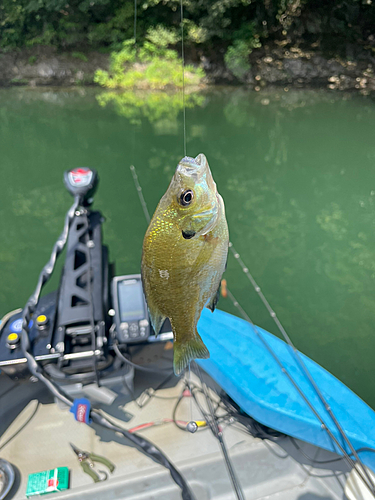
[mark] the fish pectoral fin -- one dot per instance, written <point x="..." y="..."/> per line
<point x="214" y="300"/>
<point x="157" y="319"/>
<point x="184" y="352"/>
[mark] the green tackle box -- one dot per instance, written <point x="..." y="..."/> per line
<point x="48" y="481"/>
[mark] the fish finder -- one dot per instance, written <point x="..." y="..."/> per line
<point x="131" y="316"/>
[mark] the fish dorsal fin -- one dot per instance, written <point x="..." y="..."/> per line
<point x="184" y="352"/>
<point x="157" y="319"/>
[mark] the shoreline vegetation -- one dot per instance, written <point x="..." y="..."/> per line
<point x="153" y="66"/>
<point x="271" y="66"/>
<point x="253" y="43"/>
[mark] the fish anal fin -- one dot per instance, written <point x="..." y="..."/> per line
<point x="184" y="352"/>
<point x="214" y="300"/>
<point x="157" y="319"/>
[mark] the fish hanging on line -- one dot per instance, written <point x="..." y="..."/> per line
<point x="184" y="256"/>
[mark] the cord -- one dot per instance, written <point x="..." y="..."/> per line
<point x="258" y="430"/>
<point x="4" y="320"/>
<point x="332" y="460"/>
<point x="21" y="428"/>
<point x="137" y="367"/>
<point x="149" y="449"/>
<point x="141" y="403"/>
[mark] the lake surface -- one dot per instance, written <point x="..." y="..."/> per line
<point x="296" y="171"/>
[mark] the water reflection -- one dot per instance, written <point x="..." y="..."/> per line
<point x="296" y="171"/>
<point x="160" y="108"/>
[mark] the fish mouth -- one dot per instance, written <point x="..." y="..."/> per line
<point x="197" y="170"/>
<point x="188" y="166"/>
<point x="194" y="166"/>
<point x="188" y="161"/>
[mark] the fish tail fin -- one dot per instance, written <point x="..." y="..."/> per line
<point x="184" y="352"/>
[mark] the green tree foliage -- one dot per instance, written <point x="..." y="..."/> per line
<point x="139" y="72"/>
<point x="64" y="23"/>
<point x="218" y="27"/>
<point x="237" y="55"/>
<point x="151" y="66"/>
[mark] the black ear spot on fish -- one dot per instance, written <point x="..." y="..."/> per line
<point x="186" y="197"/>
<point x="188" y="234"/>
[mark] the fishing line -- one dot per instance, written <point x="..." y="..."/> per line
<point x="183" y="425"/>
<point x="191" y="399"/>
<point x="135" y="23"/>
<point x="236" y="255"/>
<point x="323" y="425"/>
<point x="150" y="393"/>
<point x="135" y="49"/>
<point x="191" y="395"/>
<point x="183" y="73"/>
<point x="236" y="304"/>
<point x="192" y="426"/>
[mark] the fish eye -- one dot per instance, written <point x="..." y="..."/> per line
<point x="186" y="197"/>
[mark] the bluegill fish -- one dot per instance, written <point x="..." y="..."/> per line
<point x="184" y="256"/>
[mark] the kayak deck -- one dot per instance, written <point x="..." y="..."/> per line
<point x="266" y="470"/>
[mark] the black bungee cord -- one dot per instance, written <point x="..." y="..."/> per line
<point x="141" y="443"/>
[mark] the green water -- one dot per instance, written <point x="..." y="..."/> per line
<point x="296" y="171"/>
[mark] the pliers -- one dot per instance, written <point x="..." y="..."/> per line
<point x="87" y="460"/>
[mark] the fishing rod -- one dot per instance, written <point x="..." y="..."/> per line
<point x="363" y="475"/>
<point x="302" y="365"/>
<point x="213" y="425"/>
<point x="217" y="432"/>
<point x="324" y="426"/>
<point x="272" y="313"/>
<point x="140" y="194"/>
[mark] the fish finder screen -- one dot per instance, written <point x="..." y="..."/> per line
<point x="130" y="299"/>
